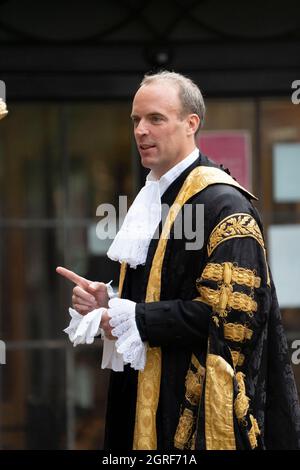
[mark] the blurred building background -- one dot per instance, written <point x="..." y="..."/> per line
<point x="66" y="146"/>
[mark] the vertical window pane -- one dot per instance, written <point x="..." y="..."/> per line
<point x="33" y="399"/>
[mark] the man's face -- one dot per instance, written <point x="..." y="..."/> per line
<point x="160" y="132"/>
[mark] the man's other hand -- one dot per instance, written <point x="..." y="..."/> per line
<point x="87" y="295"/>
<point x="106" y="326"/>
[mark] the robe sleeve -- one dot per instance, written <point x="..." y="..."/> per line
<point x="176" y="322"/>
<point x="235" y="284"/>
<point x="186" y="323"/>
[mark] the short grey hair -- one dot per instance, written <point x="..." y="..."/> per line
<point x="189" y="94"/>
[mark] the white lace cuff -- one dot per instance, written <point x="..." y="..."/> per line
<point x="83" y="328"/>
<point x="129" y="343"/>
<point x="74" y="323"/>
<point x="111" y="294"/>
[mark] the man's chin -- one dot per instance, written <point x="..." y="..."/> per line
<point x="146" y="165"/>
<point x="147" y="162"/>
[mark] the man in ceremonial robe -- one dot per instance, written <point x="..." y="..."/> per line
<point x="200" y="356"/>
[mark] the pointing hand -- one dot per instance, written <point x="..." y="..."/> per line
<point x="87" y="295"/>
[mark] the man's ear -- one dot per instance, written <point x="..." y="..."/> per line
<point x="193" y="122"/>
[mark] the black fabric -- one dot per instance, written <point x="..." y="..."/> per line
<point x="181" y="326"/>
<point x="282" y="428"/>
<point x="175" y="323"/>
<point x="120" y="412"/>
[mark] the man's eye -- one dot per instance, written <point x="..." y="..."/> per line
<point x="156" y="118"/>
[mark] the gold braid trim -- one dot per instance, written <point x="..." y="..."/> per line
<point x="184" y="429"/>
<point x="196" y="363"/>
<point x="194" y="384"/>
<point x="237" y="358"/>
<point x="219" y="426"/>
<point x="254" y="431"/>
<point x="193" y="391"/>
<point x="237" y="332"/>
<point x="241" y="403"/>
<point x="242" y="276"/>
<point x="193" y="441"/>
<point x="224" y="299"/>
<point x="149" y="380"/>
<point x="237" y="225"/>
<point x="122" y="277"/>
<point x="193" y="388"/>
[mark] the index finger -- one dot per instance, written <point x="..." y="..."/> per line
<point x="80" y="281"/>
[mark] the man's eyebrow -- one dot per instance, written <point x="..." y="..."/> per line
<point x="154" y="113"/>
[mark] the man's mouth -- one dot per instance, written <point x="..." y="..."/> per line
<point x="146" y="146"/>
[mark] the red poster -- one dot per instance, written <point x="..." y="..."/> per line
<point x="232" y="148"/>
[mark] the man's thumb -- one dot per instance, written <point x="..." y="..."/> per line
<point x="95" y="286"/>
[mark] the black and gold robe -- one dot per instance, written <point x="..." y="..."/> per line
<point x="218" y="374"/>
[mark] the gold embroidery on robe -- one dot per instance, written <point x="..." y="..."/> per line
<point x="241" y="403"/>
<point x="237" y="225"/>
<point x="237" y="332"/>
<point x="242" y="276"/>
<point x="193" y="441"/>
<point x="254" y="432"/>
<point x="224" y="299"/>
<point x="219" y="427"/>
<point x="149" y="379"/>
<point x="193" y="388"/>
<point x="193" y="391"/>
<point x="237" y="358"/>
<point x="184" y="429"/>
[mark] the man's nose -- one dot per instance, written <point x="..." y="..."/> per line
<point x="141" y="128"/>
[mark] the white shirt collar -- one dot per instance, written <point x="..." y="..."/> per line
<point x="167" y="179"/>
